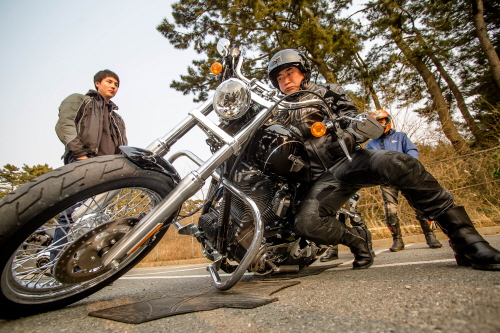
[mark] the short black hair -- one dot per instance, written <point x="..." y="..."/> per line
<point x="101" y="75"/>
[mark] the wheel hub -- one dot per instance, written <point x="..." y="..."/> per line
<point x="82" y="260"/>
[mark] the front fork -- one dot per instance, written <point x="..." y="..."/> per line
<point x="189" y="186"/>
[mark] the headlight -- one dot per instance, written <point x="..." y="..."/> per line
<point x="232" y="99"/>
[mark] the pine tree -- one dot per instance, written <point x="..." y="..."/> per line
<point x="388" y="18"/>
<point x="11" y="177"/>
<point x="259" y="29"/>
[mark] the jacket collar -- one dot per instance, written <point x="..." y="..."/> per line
<point x="391" y="131"/>
<point x="94" y="94"/>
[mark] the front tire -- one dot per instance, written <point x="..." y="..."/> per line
<point x="31" y="215"/>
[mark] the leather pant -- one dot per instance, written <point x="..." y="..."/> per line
<point x="315" y="218"/>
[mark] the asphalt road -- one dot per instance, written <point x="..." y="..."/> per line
<point x="415" y="290"/>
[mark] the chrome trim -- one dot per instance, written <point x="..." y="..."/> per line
<point x="253" y="249"/>
<point x="161" y="146"/>
<point x="214" y="129"/>
<point x="258" y="236"/>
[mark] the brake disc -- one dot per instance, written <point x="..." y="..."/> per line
<point x="82" y="260"/>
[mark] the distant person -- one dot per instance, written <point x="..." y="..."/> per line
<point x="397" y="141"/>
<point x="88" y="126"/>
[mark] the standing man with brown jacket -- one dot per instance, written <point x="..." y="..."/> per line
<point x="88" y="126"/>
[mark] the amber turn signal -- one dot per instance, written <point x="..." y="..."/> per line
<point x="318" y="129"/>
<point x="216" y="68"/>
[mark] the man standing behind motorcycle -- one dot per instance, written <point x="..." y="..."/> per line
<point x="88" y="126"/>
<point x="337" y="178"/>
<point x="397" y="141"/>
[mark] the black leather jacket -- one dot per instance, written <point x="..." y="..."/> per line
<point x="80" y="124"/>
<point x="325" y="151"/>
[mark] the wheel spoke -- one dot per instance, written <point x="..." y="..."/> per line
<point x="130" y="202"/>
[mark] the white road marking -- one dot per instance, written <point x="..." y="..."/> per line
<point x="339" y="268"/>
<point x="376" y="252"/>
<point x="173" y="276"/>
<point x="163" y="272"/>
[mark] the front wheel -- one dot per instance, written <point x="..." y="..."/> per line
<point x="51" y="216"/>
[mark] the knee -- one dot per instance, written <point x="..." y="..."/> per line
<point x="399" y="167"/>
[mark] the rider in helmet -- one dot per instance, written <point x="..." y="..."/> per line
<point x="341" y="178"/>
<point x="397" y="141"/>
<point x="289" y="72"/>
<point x="384" y="119"/>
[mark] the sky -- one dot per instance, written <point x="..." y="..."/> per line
<point x="50" y="49"/>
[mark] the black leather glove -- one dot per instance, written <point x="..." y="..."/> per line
<point x="334" y="148"/>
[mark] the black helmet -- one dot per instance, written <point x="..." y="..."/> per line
<point x="284" y="59"/>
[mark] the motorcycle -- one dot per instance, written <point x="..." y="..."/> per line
<point x="122" y="205"/>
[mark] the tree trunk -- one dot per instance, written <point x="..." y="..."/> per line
<point x="484" y="40"/>
<point x="367" y="82"/>
<point x="449" y="128"/>
<point x="324" y="70"/>
<point x="476" y="132"/>
<point x="330" y="78"/>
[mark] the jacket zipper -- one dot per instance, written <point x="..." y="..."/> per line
<point x="120" y="139"/>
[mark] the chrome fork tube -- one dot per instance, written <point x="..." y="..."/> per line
<point x="187" y="187"/>
<point x="161" y="146"/>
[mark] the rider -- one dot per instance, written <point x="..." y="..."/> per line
<point x="289" y="71"/>
<point x="397" y="141"/>
<point x="338" y="179"/>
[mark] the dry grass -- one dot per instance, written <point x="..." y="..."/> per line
<point x="473" y="180"/>
<point x="174" y="247"/>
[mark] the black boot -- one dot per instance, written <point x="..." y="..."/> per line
<point x="357" y="239"/>
<point x="398" y="244"/>
<point x="361" y="224"/>
<point x="430" y="237"/>
<point x="331" y="254"/>
<point x="469" y="246"/>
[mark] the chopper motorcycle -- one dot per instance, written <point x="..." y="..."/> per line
<point x="122" y="205"/>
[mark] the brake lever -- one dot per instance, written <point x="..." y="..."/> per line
<point x="340" y="137"/>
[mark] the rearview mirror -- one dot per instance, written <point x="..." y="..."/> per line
<point x="223" y="46"/>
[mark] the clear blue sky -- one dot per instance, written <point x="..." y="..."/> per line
<point x="50" y="49"/>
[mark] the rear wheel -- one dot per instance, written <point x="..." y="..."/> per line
<point x="56" y="228"/>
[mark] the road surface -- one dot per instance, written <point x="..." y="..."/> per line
<point x="415" y="290"/>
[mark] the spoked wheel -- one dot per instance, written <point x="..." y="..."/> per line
<point x="56" y="229"/>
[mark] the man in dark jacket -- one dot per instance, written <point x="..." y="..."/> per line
<point x="289" y="72"/>
<point x="88" y="126"/>
<point x="397" y="141"/>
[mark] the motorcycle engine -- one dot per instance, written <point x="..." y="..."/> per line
<point x="273" y="200"/>
<point x="271" y="174"/>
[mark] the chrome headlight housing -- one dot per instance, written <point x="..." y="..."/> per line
<point x="232" y="99"/>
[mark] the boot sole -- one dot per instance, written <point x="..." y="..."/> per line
<point x="363" y="267"/>
<point x="328" y="259"/>
<point x="490" y="267"/>
<point x="464" y="261"/>
<point x="396" y="250"/>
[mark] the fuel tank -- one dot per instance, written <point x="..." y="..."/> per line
<point x="279" y="151"/>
